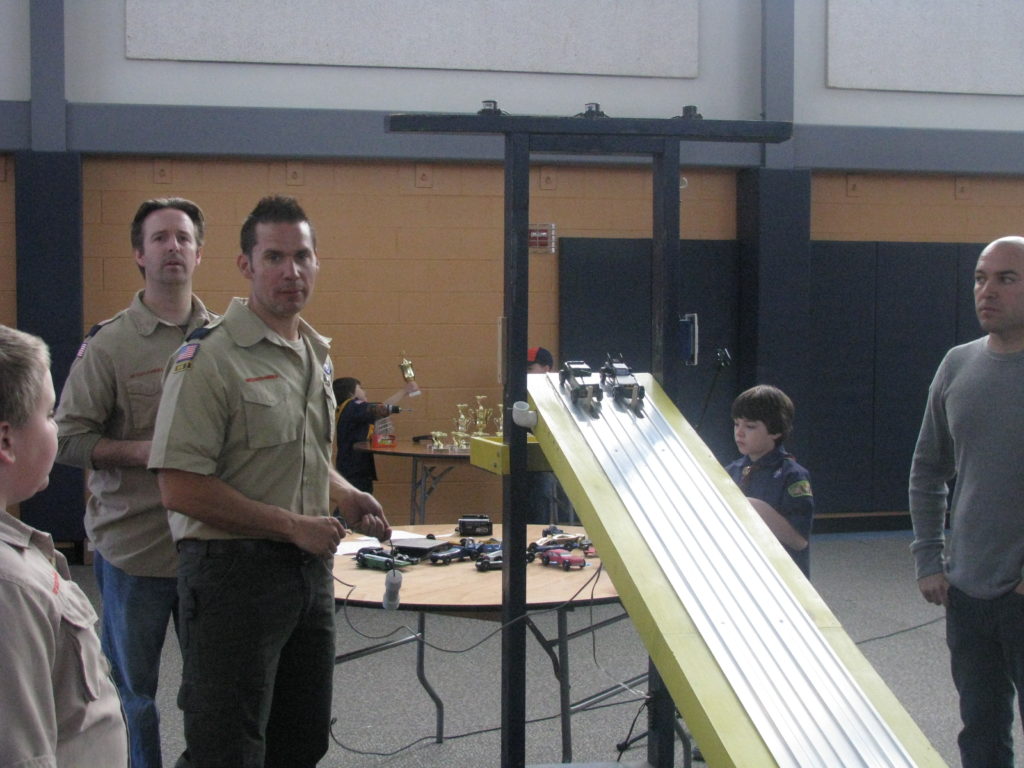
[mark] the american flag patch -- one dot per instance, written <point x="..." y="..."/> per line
<point x="186" y="353"/>
<point x="81" y="349"/>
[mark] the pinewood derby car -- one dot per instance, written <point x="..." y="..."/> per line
<point x="563" y="558"/>
<point x="381" y="559"/>
<point x="581" y="382"/>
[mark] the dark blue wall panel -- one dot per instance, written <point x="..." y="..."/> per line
<point x="915" y="322"/>
<point x="836" y="418"/>
<point x="604" y="300"/>
<point x="48" y="217"/>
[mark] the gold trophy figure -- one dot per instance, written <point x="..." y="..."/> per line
<point x="482" y="415"/>
<point x="405" y="366"/>
<point x="463" y="424"/>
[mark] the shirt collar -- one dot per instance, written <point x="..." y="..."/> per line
<point x="248" y="329"/>
<point x="16" y="533"/>
<point x="771" y="459"/>
<point x="146" y="321"/>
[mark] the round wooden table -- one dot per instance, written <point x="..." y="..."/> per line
<point x="460" y="589"/>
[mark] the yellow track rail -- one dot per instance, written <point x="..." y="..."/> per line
<point x="757" y="664"/>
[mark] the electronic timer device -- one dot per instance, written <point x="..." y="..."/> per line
<point x="475" y="525"/>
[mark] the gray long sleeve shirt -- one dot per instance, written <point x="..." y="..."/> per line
<point x="973" y="430"/>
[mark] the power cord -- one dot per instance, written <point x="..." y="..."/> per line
<point x="485" y="638"/>
<point x="623" y="745"/>
<point x="897" y="632"/>
<point x="591" y="582"/>
<point x="455" y="737"/>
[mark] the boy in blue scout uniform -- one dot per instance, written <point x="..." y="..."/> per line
<point x="355" y="417"/>
<point x="777" y="487"/>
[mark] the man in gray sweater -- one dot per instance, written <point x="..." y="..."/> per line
<point x="973" y="430"/>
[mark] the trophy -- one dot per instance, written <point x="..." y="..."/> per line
<point x="482" y="414"/>
<point x="464" y="421"/>
<point x="463" y="424"/>
<point x="499" y="423"/>
<point x="405" y="366"/>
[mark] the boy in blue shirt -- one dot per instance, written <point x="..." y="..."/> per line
<point x="355" y="416"/>
<point x="777" y="487"/>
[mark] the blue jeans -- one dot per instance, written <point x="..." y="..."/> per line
<point x="986" y="646"/>
<point x="136" y="611"/>
<point x="257" y="642"/>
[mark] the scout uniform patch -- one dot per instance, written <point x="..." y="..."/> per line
<point x="183" y="360"/>
<point x="92" y="332"/>
<point x="799" y="489"/>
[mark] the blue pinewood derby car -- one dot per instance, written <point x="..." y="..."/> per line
<point x="454" y="552"/>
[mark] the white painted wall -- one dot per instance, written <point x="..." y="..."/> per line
<point x="582" y="37"/>
<point x="727" y="85"/>
<point x="868" y="104"/>
<point x="15" y="69"/>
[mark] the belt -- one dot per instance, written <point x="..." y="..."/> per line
<point x="238" y="547"/>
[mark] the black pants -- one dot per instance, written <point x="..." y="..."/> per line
<point x="986" y="644"/>
<point x="257" y="641"/>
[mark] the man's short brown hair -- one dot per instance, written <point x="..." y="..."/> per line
<point x="274" y="209"/>
<point x="187" y="207"/>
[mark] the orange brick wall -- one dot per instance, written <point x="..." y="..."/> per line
<point x="412" y="257"/>
<point x="8" y="273"/>
<point x="895" y="208"/>
<point x="411" y="264"/>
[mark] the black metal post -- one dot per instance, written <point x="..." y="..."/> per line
<point x="661" y="716"/>
<point x="665" y="261"/>
<point x="516" y="485"/>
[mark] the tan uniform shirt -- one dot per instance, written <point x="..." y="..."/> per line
<point x="59" y="706"/>
<point x="242" y="405"/>
<point x="113" y="390"/>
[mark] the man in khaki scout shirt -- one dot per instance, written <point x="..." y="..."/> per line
<point x="243" y="444"/>
<point x="105" y="420"/>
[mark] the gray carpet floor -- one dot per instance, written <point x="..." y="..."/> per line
<point x="383" y="718"/>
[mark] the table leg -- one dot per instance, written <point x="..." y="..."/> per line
<point x="560" y="667"/>
<point x="425" y="478"/>
<point x="419" y="638"/>
<point x="563" y="685"/>
<point x="415" y="511"/>
<point x="421" y="674"/>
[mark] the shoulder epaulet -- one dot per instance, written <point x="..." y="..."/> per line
<point x="93" y="331"/>
<point x="101" y="325"/>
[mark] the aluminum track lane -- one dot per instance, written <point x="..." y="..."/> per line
<point x="798" y="693"/>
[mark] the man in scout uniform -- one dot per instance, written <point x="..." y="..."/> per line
<point x="243" y="444"/>
<point x="105" y="421"/>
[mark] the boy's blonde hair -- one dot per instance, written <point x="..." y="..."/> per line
<point x="24" y="360"/>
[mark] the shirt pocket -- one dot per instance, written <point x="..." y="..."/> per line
<point x="268" y="419"/>
<point x="84" y="658"/>
<point x="143" y="401"/>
